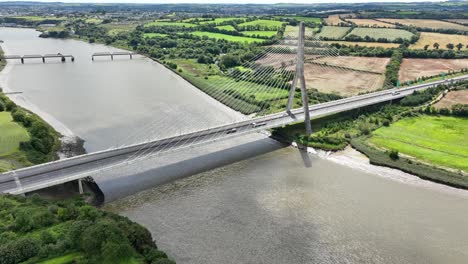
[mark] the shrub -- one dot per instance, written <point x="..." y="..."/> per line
<point x="154" y="254"/>
<point x="394" y="155"/>
<point x="163" y="261"/>
<point x="18" y="251"/>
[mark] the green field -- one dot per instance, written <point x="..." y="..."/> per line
<point x="208" y="79"/>
<point x="172" y="24"/>
<point x="293" y="31"/>
<point x="227" y="27"/>
<point x="227" y="37"/>
<point x="11" y="134"/>
<point x="440" y="140"/>
<point x="263" y="23"/>
<point x="152" y="35"/>
<point x="114" y="29"/>
<point x="220" y="20"/>
<point x="376" y="33"/>
<point x="93" y="21"/>
<point x="332" y="32"/>
<point x="260" y="33"/>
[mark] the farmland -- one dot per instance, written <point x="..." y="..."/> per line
<point x="453" y="98"/>
<point x="412" y="69"/>
<point x="268" y="34"/>
<point x="324" y="79"/>
<point x="387" y="33"/>
<point x="315" y="20"/>
<point x="372" y="64"/>
<point x="226" y="37"/>
<point x="429" y="38"/>
<point x="172" y="24"/>
<point x="10" y="137"/>
<point x="426" y="23"/>
<point x="334" y="20"/>
<point x="370" y="23"/>
<point x="365" y="44"/>
<point x="293" y="31"/>
<point x="434" y="139"/>
<point x="331" y="32"/>
<point x="459" y="21"/>
<point x="226" y="27"/>
<point x="262" y="24"/>
<point x="220" y="20"/>
<point x="114" y="29"/>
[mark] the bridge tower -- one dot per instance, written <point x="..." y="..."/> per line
<point x="299" y="77"/>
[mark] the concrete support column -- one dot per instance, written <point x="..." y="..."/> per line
<point x="112" y="57"/>
<point x="131" y="56"/>
<point x="22" y="60"/>
<point x="43" y="59"/>
<point x="80" y="186"/>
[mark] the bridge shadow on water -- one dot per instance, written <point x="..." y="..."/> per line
<point x="182" y="163"/>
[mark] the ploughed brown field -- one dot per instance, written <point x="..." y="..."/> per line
<point x="372" y="64"/>
<point x="425" y="23"/>
<point x="334" y="20"/>
<point x="364" y="44"/>
<point x="412" y="69"/>
<point x="341" y="75"/>
<point x="453" y="98"/>
<point x="339" y="81"/>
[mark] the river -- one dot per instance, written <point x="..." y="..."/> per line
<point x="282" y="206"/>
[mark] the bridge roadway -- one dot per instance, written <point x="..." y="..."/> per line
<point x="61" y="171"/>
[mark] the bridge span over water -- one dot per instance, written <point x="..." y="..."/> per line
<point x="88" y="165"/>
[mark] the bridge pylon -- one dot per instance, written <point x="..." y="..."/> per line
<point x="299" y="77"/>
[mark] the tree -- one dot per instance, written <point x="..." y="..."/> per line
<point x="426" y="47"/>
<point x="450" y="46"/>
<point x="436" y="45"/>
<point x="459" y="46"/>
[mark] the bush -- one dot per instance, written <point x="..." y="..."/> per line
<point x="163" y="261"/>
<point x="394" y="155"/>
<point x="18" y="251"/>
<point x="154" y="254"/>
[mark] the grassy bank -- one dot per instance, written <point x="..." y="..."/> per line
<point x="35" y="230"/>
<point x="434" y="139"/>
<point x="424" y="171"/>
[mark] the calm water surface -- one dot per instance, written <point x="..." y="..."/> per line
<point x="269" y="209"/>
<point x="105" y="101"/>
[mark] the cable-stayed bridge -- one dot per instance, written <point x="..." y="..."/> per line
<point x="89" y="165"/>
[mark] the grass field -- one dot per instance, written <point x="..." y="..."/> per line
<point x="426" y="23"/>
<point x="93" y="21"/>
<point x="332" y="32"/>
<point x="115" y="29"/>
<point x="433" y="139"/>
<point x="220" y="20"/>
<point x="173" y="24"/>
<point x="376" y="33"/>
<point x="453" y="98"/>
<point x="227" y="37"/>
<point x="412" y="69"/>
<point x="259" y="33"/>
<point x="263" y="23"/>
<point x="370" y="23"/>
<point x="152" y="35"/>
<point x="69" y="258"/>
<point x="11" y="134"/>
<point x="226" y="27"/>
<point x="293" y="31"/>
<point x="429" y="38"/>
<point x="366" y="44"/>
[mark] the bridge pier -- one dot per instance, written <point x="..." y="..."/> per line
<point x="73" y="59"/>
<point x="22" y="60"/>
<point x="112" y="57"/>
<point x="63" y="59"/>
<point x="43" y="59"/>
<point x="299" y="77"/>
<point x="80" y="186"/>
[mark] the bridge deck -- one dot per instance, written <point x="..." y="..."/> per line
<point x="61" y="171"/>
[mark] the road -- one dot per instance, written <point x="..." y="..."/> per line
<point x="61" y="171"/>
